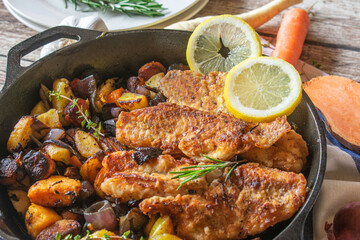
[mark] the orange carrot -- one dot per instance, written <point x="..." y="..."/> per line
<point x="291" y="35"/>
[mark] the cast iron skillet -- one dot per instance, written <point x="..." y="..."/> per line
<point x="121" y="54"/>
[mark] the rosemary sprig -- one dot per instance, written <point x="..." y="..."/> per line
<point x="149" y="8"/>
<point x="87" y="123"/>
<point x="198" y="171"/>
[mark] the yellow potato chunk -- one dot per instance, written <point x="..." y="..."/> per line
<point x="103" y="92"/>
<point x="153" y="82"/>
<point x="63" y="88"/>
<point x="38" y="218"/>
<point x="38" y="109"/>
<point x="58" y="153"/>
<point x="162" y="225"/>
<point x="132" y="101"/>
<point x="90" y="169"/>
<point x="164" y="236"/>
<point x="50" y="119"/>
<point x="86" y="144"/>
<point x="21" y="133"/>
<point x="56" y="191"/>
<point x="20" y="201"/>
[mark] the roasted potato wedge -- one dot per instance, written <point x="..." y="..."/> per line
<point x="20" y="201"/>
<point x="86" y="144"/>
<point x="58" y="153"/>
<point x="131" y="101"/>
<point x="103" y="92"/>
<point x="50" y="119"/>
<point x="162" y="225"/>
<point x="38" y="109"/>
<point x="38" y="218"/>
<point x="21" y="133"/>
<point x="63" y="88"/>
<point x="153" y="82"/>
<point x="62" y="227"/>
<point x="56" y="191"/>
<point x="90" y="169"/>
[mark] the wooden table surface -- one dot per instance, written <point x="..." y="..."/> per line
<point x="333" y="41"/>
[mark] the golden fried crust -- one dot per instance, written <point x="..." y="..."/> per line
<point x="253" y="199"/>
<point x="124" y="179"/>
<point x="192" y="89"/>
<point x="180" y="129"/>
<point x="288" y="153"/>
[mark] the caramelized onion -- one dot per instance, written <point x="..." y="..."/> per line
<point x="55" y="134"/>
<point x="101" y="215"/>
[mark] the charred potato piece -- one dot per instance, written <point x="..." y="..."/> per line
<point x="90" y="169"/>
<point x="37" y="218"/>
<point x="62" y="227"/>
<point x="103" y="92"/>
<point x="58" y="153"/>
<point x="50" y="119"/>
<point x="56" y="191"/>
<point x="63" y="88"/>
<point x="21" y="133"/>
<point x="10" y="172"/>
<point x="38" y="109"/>
<point x="72" y="172"/>
<point x="71" y="112"/>
<point x="38" y="165"/>
<point x="132" y="101"/>
<point x="86" y="144"/>
<point x="20" y="201"/>
<point x="150" y="69"/>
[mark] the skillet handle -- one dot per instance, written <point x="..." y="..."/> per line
<point x="14" y="69"/>
<point x="301" y="230"/>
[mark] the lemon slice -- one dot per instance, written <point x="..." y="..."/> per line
<point x="220" y="43"/>
<point x="262" y="88"/>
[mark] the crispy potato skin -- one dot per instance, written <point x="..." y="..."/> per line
<point x="86" y="144"/>
<point x="38" y="218"/>
<point x="63" y="227"/>
<point x="21" y="133"/>
<point x="62" y="86"/>
<point x="56" y="191"/>
<point x="38" y="165"/>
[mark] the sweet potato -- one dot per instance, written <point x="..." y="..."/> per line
<point x="91" y="168"/>
<point x="56" y="191"/>
<point x="63" y="88"/>
<point x="131" y="101"/>
<point x="21" y="133"/>
<point x="62" y="227"/>
<point x="86" y="144"/>
<point x="38" y="218"/>
<point x="338" y="99"/>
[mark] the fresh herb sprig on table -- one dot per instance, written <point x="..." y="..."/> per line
<point x="87" y="123"/>
<point x="149" y="8"/>
<point x="198" y="171"/>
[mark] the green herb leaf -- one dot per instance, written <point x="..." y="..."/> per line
<point x="58" y="236"/>
<point x="126" y="234"/>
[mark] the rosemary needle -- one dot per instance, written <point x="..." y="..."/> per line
<point x="149" y="8"/>
<point x="198" y="171"/>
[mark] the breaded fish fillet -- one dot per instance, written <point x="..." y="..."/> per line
<point x="195" y="90"/>
<point x="183" y="130"/>
<point x="251" y="200"/>
<point x="205" y="92"/>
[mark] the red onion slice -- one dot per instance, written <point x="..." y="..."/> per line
<point x="101" y="215"/>
<point x="55" y="134"/>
